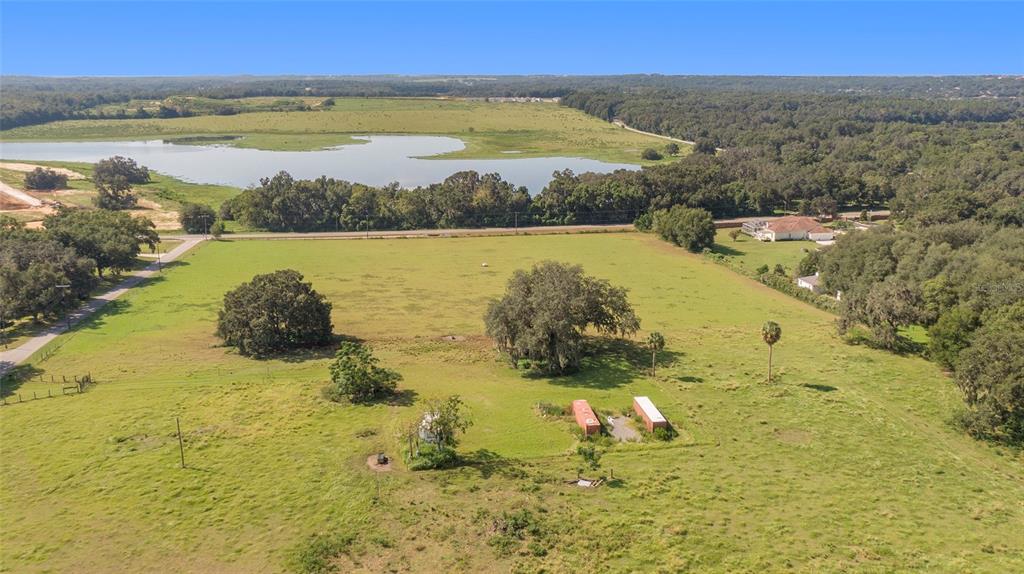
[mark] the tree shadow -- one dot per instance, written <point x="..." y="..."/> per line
<point x="690" y="379"/>
<point x="400" y="398"/>
<point x="820" y="388"/>
<point x="722" y="249"/>
<point x="609" y="363"/>
<point x="489" y="463"/>
<point x="14" y="376"/>
<point x="902" y="346"/>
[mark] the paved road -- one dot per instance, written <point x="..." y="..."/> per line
<point x="479" y="232"/>
<point x="13" y="357"/>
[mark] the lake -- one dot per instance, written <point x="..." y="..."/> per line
<point x="380" y="161"/>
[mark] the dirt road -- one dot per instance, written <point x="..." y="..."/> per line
<point x="19" y="196"/>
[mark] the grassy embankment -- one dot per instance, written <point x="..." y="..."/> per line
<point x="490" y="130"/>
<point x="846" y="463"/>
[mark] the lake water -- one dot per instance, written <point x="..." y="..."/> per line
<point x="380" y="161"/>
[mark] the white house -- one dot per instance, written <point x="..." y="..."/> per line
<point x="811" y="283"/>
<point x="793" y="227"/>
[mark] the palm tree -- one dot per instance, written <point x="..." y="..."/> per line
<point x="771" y="332"/>
<point x="656" y="342"/>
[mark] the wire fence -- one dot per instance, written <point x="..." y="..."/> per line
<point x="13" y="389"/>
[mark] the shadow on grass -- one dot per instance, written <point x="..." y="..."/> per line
<point x="400" y="398"/>
<point x="15" y="376"/>
<point x="901" y="346"/>
<point x="611" y="363"/>
<point x="820" y="388"/>
<point x="690" y="379"/>
<point x="489" y="463"/>
<point x="726" y="250"/>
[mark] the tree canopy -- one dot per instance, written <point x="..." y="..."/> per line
<point x="545" y="311"/>
<point x="692" y="229"/>
<point x="111" y="239"/>
<point x="272" y="313"/>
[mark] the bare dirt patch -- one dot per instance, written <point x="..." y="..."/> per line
<point x="622" y="429"/>
<point x="27" y="167"/>
<point x="371" y="461"/>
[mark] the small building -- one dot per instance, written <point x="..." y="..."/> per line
<point x="793" y="227"/>
<point x="585" y="417"/>
<point x="653" y="418"/>
<point x="811" y="283"/>
<point x="426" y="430"/>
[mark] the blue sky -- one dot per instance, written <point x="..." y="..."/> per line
<point x="802" y="38"/>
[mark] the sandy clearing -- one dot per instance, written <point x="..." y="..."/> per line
<point x="27" y="167"/>
<point x="19" y="196"/>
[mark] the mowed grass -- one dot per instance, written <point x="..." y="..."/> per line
<point x="748" y="254"/>
<point x="846" y="463"/>
<point x="489" y="129"/>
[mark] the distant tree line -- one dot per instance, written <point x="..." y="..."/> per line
<point x="34" y="100"/>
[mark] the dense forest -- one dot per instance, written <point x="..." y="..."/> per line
<point x="32" y="100"/>
<point x="951" y="170"/>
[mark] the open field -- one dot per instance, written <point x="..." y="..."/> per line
<point x="847" y="463"/>
<point x="489" y="129"/>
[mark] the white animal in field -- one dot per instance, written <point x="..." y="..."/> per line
<point x="484" y="264"/>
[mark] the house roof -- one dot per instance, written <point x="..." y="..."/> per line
<point x="792" y="223"/>
<point x="812" y="280"/>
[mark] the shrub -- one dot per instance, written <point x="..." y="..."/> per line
<point x="40" y="178"/>
<point x="686" y="227"/>
<point x="217" y="229"/>
<point x="552" y="410"/>
<point x="432" y="457"/>
<point x="356" y="377"/>
<point x="651" y="154"/>
<point x="272" y="313"/>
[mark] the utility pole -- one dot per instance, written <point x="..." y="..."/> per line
<point x="516" y="217"/>
<point x="181" y="445"/>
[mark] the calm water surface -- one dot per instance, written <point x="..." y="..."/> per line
<point x="380" y="161"/>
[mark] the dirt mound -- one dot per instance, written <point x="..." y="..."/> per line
<point x="27" y="167"/>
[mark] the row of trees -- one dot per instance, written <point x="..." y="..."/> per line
<point x="46" y="272"/>
<point x="964" y="282"/>
<point x="465" y="199"/>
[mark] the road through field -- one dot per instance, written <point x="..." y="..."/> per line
<point x="13" y="357"/>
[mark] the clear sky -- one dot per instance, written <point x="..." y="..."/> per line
<point x="802" y="38"/>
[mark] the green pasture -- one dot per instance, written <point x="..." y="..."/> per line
<point x="748" y="254"/>
<point x="847" y="463"/>
<point x="488" y="129"/>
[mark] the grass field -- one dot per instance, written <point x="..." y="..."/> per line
<point x="489" y="129"/>
<point x="748" y="254"/>
<point x="846" y="464"/>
